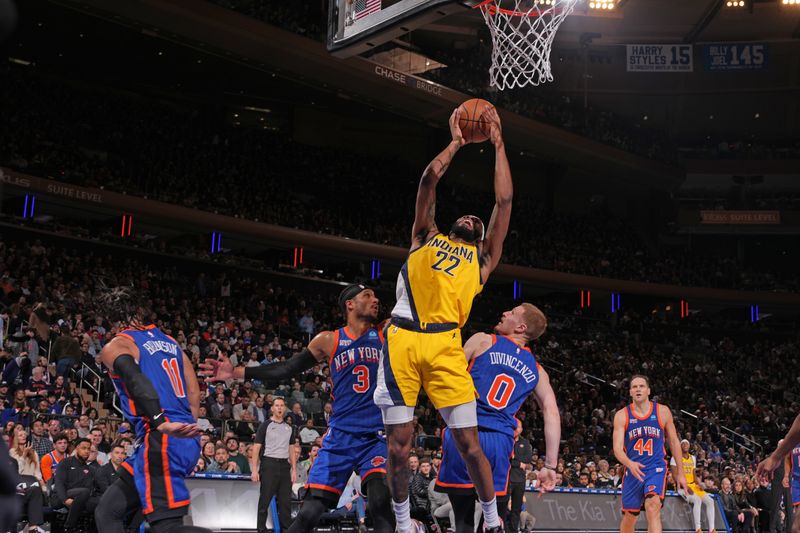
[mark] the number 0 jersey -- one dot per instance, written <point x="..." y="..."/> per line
<point x="161" y="360"/>
<point x="504" y="375"/>
<point x="644" y="437"/>
<point x="438" y="282"/>
<point x="354" y="372"/>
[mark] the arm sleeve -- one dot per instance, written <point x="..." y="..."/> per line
<point x="301" y="362"/>
<point x="141" y="388"/>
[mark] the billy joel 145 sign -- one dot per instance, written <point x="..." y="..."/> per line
<point x="735" y="56"/>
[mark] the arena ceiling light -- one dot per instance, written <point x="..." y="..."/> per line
<point x="607" y="5"/>
<point x="735" y="3"/>
<point x="791" y="2"/>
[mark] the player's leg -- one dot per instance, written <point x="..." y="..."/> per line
<point x="652" y="507"/>
<point x="632" y="500"/>
<point x="269" y="486"/>
<point x="517" y="493"/>
<point x="462" y="422"/>
<point x="464" y="512"/>
<point x="449" y="386"/>
<point x="697" y="504"/>
<point x="119" y="501"/>
<point x="396" y="394"/>
<point x="371" y="466"/>
<point x="796" y="520"/>
<point x="503" y="507"/>
<point x="711" y="514"/>
<point x="283" y="495"/>
<point x="174" y="525"/>
<point x="326" y="479"/>
<point x="379" y="504"/>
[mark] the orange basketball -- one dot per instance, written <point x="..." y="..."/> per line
<point x="473" y="126"/>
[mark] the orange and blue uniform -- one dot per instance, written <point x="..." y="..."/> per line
<point x="505" y="374"/>
<point x="644" y="443"/>
<point x="160" y="463"/>
<point x="354" y="440"/>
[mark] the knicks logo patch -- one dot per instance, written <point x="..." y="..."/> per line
<point x="651" y="487"/>
<point x="378" y="461"/>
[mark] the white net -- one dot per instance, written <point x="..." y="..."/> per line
<point x="522" y="37"/>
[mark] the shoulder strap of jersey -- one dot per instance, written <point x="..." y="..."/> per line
<point x="335" y="346"/>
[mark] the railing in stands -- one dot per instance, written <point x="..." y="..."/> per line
<point x="736" y="437"/>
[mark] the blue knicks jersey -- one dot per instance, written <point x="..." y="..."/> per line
<point x="354" y="373"/>
<point x="161" y="360"/>
<point x="504" y="376"/>
<point x="795" y="473"/>
<point x="644" y="437"/>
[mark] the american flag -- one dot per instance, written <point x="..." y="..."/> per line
<point x="366" y="7"/>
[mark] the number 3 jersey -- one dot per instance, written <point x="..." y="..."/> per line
<point x="504" y="376"/>
<point x="438" y="282"/>
<point x="354" y="372"/>
<point x="161" y="360"/>
<point x="644" y="438"/>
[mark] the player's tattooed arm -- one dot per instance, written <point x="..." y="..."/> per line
<point x="425" y="210"/>
<point x="504" y="193"/>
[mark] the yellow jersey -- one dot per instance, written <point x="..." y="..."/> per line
<point x="438" y="282"/>
<point x="688" y="468"/>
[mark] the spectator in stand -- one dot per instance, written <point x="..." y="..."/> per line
<point x="308" y="434"/>
<point x="31" y="499"/>
<point x="440" y="504"/>
<point x="297" y="417"/>
<point x="66" y="352"/>
<point x="37" y="387"/>
<point x="222" y="462"/>
<point x="74" y="486"/>
<point x="261" y="410"/>
<point x="84" y="426"/>
<point x="40" y="442"/>
<point x="418" y="485"/>
<point x="96" y="438"/>
<point x="520" y="464"/>
<point x="21" y="450"/>
<point x="221" y="408"/>
<point x="232" y="444"/>
<point x="108" y="473"/>
<point x="202" y="419"/>
<point x="244" y="406"/>
<point x="321" y="419"/>
<point x="50" y="462"/>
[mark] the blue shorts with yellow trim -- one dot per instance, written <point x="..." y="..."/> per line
<point x="434" y="361"/>
<point x="453" y="477"/>
<point x="341" y="454"/>
<point x="159" y="468"/>
<point x="634" y="491"/>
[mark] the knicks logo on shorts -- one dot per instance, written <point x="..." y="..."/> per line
<point x="378" y="461"/>
<point x="651" y="487"/>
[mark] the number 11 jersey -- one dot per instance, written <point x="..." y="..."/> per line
<point x="161" y="360"/>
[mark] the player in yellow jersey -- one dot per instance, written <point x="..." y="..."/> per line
<point x="696" y="495"/>
<point x="435" y="289"/>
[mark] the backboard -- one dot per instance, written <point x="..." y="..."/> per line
<point x="356" y="26"/>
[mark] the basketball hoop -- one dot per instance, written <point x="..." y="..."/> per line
<point x="522" y="37"/>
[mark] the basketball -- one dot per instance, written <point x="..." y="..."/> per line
<point x="474" y="127"/>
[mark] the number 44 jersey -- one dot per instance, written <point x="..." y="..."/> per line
<point x="161" y="360"/>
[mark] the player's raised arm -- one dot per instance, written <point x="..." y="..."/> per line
<point x="192" y="386"/>
<point x="503" y="194"/>
<point x="546" y="398"/>
<point x="318" y="349"/>
<point x="425" y="210"/>
<point x="121" y="357"/>
<point x="674" y="445"/>
<point x="770" y="464"/>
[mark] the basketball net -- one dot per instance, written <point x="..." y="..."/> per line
<point x="522" y="38"/>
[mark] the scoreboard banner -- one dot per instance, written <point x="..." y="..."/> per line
<point x="660" y="58"/>
<point x="735" y="56"/>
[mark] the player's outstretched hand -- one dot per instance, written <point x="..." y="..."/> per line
<point x="217" y="370"/>
<point x="547" y="480"/>
<point x="455" y="129"/>
<point x="495" y="127"/>
<point x="636" y="470"/>
<point x="683" y="485"/>
<point x="767" y="467"/>
<point x="180" y="429"/>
